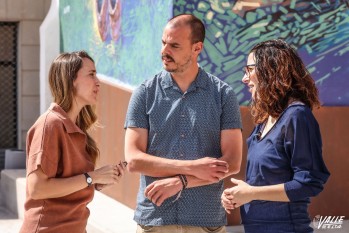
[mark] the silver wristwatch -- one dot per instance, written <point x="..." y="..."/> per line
<point x="88" y="179"/>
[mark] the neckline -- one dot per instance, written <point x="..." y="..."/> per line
<point x="262" y="126"/>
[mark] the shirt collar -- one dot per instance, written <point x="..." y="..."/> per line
<point x="69" y="125"/>
<point x="201" y="80"/>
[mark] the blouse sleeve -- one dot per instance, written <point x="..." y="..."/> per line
<point x="304" y="146"/>
<point x="43" y="147"/>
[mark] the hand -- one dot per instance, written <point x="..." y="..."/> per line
<point x="109" y="174"/>
<point x="210" y="169"/>
<point x="99" y="187"/>
<point x="158" y="191"/>
<point x="236" y="196"/>
<point x="121" y="168"/>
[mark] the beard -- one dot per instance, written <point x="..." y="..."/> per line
<point x="179" y="68"/>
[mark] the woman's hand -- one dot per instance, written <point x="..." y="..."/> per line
<point x="236" y="196"/>
<point x="108" y="175"/>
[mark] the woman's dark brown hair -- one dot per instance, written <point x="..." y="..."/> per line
<point x="63" y="72"/>
<point x="282" y="78"/>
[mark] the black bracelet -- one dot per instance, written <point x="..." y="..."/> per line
<point x="184" y="181"/>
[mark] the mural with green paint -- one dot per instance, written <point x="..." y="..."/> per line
<point x="318" y="29"/>
<point x="123" y="37"/>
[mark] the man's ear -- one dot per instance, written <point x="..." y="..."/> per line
<point x="198" y="47"/>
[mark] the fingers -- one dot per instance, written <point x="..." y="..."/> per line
<point x="153" y="194"/>
<point x="121" y="168"/>
<point x="212" y="169"/>
<point x="228" y="200"/>
<point x="229" y="205"/>
<point x="220" y="166"/>
<point x="160" y="190"/>
<point x="235" y="181"/>
<point x="220" y="163"/>
<point x="148" y="189"/>
<point x="228" y="191"/>
<point x="110" y="174"/>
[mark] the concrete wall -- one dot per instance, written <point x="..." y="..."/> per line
<point x="333" y="123"/>
<point x="29" y="14"/>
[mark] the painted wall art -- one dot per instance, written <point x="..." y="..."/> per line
<point x="124" y="37"/>
<point x="319" y="29"/>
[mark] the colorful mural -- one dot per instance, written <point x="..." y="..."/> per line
<point x="124" y="37"/>
<point x="318" y="29"/>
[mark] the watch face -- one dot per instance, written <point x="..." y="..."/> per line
<point x="89" y="180"/>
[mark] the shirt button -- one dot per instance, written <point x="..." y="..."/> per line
<point x="182" y="135"/>
<point x="181" y="155"/>
<point x="182" y="115"/>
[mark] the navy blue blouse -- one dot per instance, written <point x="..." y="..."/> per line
<point x="290" y="153"/>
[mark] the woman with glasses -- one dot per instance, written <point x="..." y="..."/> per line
<point x="284" y="164"/>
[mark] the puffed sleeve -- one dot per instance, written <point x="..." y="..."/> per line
<point x="43" y="146"/>
<point x="136" y="113"/>
<point x="304" y="146"/>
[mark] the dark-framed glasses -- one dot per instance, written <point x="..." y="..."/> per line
<point x="248" y="69"/>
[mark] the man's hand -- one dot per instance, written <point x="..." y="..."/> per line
<point x="210" y="169"/>
<point x="158" y="191"/>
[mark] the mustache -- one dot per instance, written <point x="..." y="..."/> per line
<point x="167" y="57"/>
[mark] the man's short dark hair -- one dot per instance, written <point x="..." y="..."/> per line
<point x="196" y="25"/>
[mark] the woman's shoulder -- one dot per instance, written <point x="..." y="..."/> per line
<point x="297" y="109"/>
<point x="300" y="113"/>
<point x="48" y="120"/>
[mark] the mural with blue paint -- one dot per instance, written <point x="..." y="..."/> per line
<point x="318" y="29"/>
<point x="124" y="37"/>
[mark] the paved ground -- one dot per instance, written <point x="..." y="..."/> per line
<point x="10" y="224"/>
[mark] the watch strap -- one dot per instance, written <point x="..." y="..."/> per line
<point x="88" y="179"/>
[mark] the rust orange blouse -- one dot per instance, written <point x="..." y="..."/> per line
<point x="56" y="144"/>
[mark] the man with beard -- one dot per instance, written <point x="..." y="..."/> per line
<point x="183" y="135"/>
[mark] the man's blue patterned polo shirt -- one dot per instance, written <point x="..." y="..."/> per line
<point x="184" y="126"/>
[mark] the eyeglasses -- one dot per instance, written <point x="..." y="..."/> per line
<point x="248" y="69"/>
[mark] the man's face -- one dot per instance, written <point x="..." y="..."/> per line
<point x="177" y="49"/>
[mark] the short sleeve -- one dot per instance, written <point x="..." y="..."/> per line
<point x="136" y="116"/>
<point x="43" y="148"/>
<point x="304" y="146"/>
<point x="231" y="117"/>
